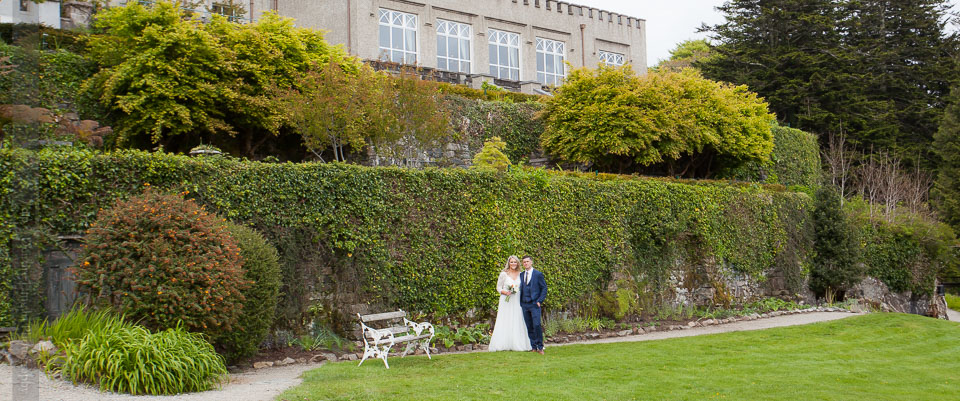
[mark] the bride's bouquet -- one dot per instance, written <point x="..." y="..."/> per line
<point x="513" y="288"/>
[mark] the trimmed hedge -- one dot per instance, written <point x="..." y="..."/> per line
<point x="795" y="157"/>
<point x="433" y="239"/>
<point x="795" y="161"/>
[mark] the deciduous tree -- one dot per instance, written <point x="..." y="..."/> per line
<point x="689" y="124"/>
<point x="333" y="108"/>
<point x="169" y="79"/>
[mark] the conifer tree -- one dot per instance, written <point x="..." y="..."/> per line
<point x="491" y="157"/>
<point x="874" y="70"/>
<point x="946" y="190"/>
<point x="835" y="266"/>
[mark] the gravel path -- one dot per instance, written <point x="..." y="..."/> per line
<point x="953" y="315"/>
<point x="254" y="385"/>
<point x="265" y="384"/>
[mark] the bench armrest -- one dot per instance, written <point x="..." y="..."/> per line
<point x="379" y="336"/>
<point x="419" y="328"/>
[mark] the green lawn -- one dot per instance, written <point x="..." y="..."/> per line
<point x="953" y="302"/>
<point x="872" y="357"/>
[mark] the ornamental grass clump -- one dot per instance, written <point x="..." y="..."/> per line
<point x="72" y="326"/>
<point x="130" y="359"/>
<point x="160" y="260"/>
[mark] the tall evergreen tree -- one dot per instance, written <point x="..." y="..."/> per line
<point x="785" y="50"/>
<point x="835" y="267"/>
<point x="908" y="62"/>
<point x="946" y="190"/>
<point x="876" y="70"/>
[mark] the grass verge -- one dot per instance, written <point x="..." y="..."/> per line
<point x="953" y="302"/>
<point x="877" y="357"/>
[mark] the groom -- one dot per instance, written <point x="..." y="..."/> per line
<point x="532" y="294"/>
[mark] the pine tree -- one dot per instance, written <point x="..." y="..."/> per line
<point x="946" y="190"/>
<point x="907" y="64"/>
<point x="786" y="51"/>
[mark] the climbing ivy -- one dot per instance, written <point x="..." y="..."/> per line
<point x="907" y="252"/>
<point x="476" y="121"/>
<point x="433" y="239"/>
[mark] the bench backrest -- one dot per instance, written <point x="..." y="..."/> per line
<point x="383" y="316"/>
<point x="392" y="321"/>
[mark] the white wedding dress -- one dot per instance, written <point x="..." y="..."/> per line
<point x="509" y="332"/>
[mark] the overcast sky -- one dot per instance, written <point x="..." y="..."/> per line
<point x="668" y="22"/>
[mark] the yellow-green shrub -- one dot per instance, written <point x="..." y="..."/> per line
<point x="610" y="117"/>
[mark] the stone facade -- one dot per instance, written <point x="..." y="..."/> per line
<point x="543" y="33"/>
<point x="27" y="12"/>
<point x="584" y="32"/>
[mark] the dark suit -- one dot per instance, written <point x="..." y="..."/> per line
<point x="531" y="294"/>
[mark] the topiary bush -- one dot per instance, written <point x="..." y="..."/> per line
<point x="795" y="161"/>
<point x="161" y="259"/>
<point x="261" y="269"/>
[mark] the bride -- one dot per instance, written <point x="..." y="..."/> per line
<point x="509" y="331"/>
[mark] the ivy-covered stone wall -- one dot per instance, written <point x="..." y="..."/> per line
<point x="473" y="121"/>
<point x="433" y="240"/>
<point x="357" y="239"/>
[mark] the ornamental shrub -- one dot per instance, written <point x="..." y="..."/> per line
<point x="795" y="161"/>
<point x="161" y="259"/>
<point x="128" y="358"/>
<point x="261" y="269"/>
<point x="491" y="157"/>
<point x="691" y="125"/>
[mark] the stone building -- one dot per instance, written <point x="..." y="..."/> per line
<point x="28" y="12"/>
<point x="517" y="44"/>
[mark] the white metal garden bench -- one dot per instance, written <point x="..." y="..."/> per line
<point x="377" y="342"/>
